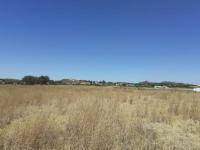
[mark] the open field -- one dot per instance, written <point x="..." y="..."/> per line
<point x="98" y="118"/>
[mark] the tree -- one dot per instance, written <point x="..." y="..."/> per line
<point x="43" y="80"/>
<point x="103" y="82"/>
<point x="29" y="80"/>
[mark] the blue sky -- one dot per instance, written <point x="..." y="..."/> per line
<point x="116" y="40"/>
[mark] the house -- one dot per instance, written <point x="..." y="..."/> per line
<point x="196" y="88"/>
<point x="160" y="87"/>
<point x="70" y="82"/>
<point x="121" y="84"/>
<point x="85" y="82"/>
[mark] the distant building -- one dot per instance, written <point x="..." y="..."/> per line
<point x="70" y="82"/>
<point x="84" y="82"/>
<point x="118" y="84"/>
<point x="161" y="87"/>
<point x="127" y="84"/>
<point x="99" y="83"/>
<point x="196" y="88"/>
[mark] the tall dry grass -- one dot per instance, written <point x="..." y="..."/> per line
<point x="98" y="118"/>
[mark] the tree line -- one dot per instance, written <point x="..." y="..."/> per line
<point x="31" y="80"/>
<point x="165" y="83"/>
<point x="45" y="80"/>
<point x="28" y="80"/>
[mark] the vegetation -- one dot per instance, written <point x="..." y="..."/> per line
<point x="45" y="80"/>
<point x="165" y="83"/>
<point x="10" y="81"/>
<point x="30" y="80"/>
<point x="98" y="118"/>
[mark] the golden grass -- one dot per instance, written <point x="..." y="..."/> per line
<point x="98" y="118"/>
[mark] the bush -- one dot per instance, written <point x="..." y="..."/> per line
<point x="30" y="80"/>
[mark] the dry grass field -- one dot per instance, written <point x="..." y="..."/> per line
<point x="98" y="118"/>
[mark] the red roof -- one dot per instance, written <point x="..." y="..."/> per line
<point x="196" y="86"/>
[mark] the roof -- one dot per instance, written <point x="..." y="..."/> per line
<point x="196" y="86"/>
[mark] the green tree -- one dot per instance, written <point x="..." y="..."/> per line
<point x="43" y="80"/>
<point x="29" y="80"/>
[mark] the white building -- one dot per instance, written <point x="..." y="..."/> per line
<point x="196" y="88"/>
<point x="161" y="87"/>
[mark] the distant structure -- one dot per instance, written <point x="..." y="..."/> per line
<point x="196" y="88"/>
<point x="70" y="82"/>
<point x="84" y="82"/>
<point x="125" y="84"/>
<point x="161" y="87"/>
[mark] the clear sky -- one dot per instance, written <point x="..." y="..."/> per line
<point x="116" y="40"/>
